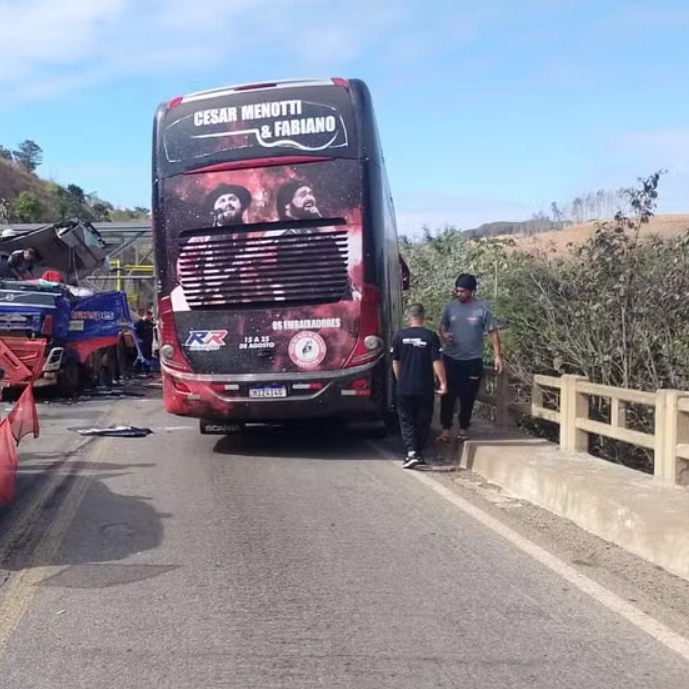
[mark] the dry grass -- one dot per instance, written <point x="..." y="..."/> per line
<point x="556" y="242"/>
<point x="14" y="180"/>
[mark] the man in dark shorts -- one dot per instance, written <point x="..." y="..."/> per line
<point x="416" y="362"/>
<point x="464" y="324"/>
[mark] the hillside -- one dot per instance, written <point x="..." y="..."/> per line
<point x="25" y="197"/>
<point x="14" y="180"/>
<point x="504" y="228"/>
<point x="557" y="241"/>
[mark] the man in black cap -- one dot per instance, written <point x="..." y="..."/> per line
<point x="227" y="204"/>
<point x="463" y="325"/>
<point x="416" y="362"/>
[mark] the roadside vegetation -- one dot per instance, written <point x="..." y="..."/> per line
<point x="613" y="308"/>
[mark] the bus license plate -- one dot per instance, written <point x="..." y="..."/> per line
<point x="271" y="391"/>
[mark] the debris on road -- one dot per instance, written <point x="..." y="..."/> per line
<point x="115" y="431"/>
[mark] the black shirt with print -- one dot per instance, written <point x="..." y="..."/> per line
<point x="416" y="349"/>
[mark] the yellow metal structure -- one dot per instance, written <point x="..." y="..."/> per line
<point x="130" y="270"/>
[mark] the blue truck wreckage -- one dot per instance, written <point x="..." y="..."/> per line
<point x="48" y="332"/>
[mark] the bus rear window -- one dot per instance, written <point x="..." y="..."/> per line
<point x="306" y="120"/>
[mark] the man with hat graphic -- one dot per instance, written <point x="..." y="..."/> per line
<point x="463" y="325"/>
<point x="226" y="205"/>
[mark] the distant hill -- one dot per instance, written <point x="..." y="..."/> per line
<point x="25" y="197"/>
<point x="503" y="228"/>
<point x="556" y="241"/>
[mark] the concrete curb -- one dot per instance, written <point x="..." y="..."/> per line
<point x="620" y="505"/>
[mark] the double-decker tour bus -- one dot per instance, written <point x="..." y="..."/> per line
<point x="279" y="274"/>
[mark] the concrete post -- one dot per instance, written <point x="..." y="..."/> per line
<point x="671" y="429"/>
<point x="573" y="405"/>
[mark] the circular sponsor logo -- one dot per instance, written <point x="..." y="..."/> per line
<point x="307" y="349"/>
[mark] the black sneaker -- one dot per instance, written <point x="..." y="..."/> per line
<point x="411" y="461"/>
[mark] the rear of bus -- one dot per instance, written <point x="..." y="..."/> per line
<point x="272" y="296"/>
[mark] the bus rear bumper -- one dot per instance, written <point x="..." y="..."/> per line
<point x="357" y="396"/>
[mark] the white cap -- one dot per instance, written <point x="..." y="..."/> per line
<point x="7" y="233"/>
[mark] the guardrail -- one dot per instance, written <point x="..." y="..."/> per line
<point x="496" y="392"/>
<point x="669" y="442"/>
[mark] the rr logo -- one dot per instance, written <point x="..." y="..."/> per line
<point x="206" y="340"/>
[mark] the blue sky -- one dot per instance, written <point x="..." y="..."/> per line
<point x="488" y="109"/>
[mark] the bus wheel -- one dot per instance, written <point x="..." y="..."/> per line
<point x="392" y="422"/>
<point x="377" y="430"/>
<point x="211" y="427"/>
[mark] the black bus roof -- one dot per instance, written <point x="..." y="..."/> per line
<point x="258" y="86"/>
<point x="367" y="141"/>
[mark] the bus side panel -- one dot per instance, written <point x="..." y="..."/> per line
<point x="381" y="251"/>
<point x="157" y="210"/>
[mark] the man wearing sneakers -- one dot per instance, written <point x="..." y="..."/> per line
<point x="464" y="323"/>
<point x="416" y="362"/>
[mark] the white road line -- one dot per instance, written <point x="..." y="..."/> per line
<point x="621" y="607"/>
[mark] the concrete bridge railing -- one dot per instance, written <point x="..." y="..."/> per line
<point x="565" y="401"/>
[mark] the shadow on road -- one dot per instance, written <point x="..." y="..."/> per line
<point x="106" y="527"/>
<point x="325" y="441"/>
<point x="320" y="441"/>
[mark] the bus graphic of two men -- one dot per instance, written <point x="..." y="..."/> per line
<point x="227" y="206"/>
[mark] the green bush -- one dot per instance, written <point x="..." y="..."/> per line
<point x="613" y="309"/>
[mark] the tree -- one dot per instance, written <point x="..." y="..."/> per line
<point x="29" y="155"/>
<point x="578" y="209"/>
<point x="26" y="208"/>
<point x="100" y="210"/>
<point x="76" y="192"/>
<point x="5" y="153"/>
<point x="66" y="204"/>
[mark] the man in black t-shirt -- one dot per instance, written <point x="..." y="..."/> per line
<point x="416" y="362"/>
<point x="19" y="265"/>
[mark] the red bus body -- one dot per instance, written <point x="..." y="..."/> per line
<point x="280" y="280"/>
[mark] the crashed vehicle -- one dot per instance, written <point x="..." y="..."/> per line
<point x="48" y="328"/>
<point x="47" y="333"/>
<point x="73" y="248"/>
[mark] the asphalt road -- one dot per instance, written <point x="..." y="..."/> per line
<point x="294" y="559"/>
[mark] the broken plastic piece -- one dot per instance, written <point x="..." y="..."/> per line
<point x="115" y="431"/>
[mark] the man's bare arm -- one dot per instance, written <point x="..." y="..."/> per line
<point x="445" y="334"/>
<point x="396" y="367"/>
<point x="497" y="350"/>
<point x="439" y="368"/>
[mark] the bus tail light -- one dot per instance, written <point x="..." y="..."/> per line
<point x="175" y="102"/>
<point x="170" y="351"/>
<point x="360" y="387"/>
<point x="181" y="387"/>
<point x="369" y="344"/>
<point x="313" y="386"/>
<point x="339" y="81"/>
